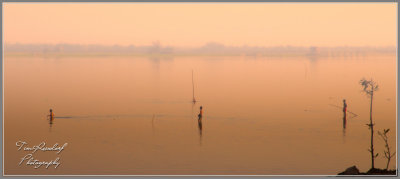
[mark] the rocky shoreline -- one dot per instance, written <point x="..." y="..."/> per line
<point x="373" y="171"/>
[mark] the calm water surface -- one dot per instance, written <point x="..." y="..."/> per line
<point x="133" y="115"/>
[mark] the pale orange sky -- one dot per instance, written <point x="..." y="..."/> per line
<point x="194" y="24"/>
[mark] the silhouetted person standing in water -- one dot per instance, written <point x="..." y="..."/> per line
<point x="201" y="112"/>
<point x="51" y="115"/>
<point x="200" y="123"/>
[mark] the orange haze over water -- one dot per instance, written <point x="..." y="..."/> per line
<point x="194" y="24"/>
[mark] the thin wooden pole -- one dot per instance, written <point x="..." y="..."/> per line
<point x="194" y="100"/>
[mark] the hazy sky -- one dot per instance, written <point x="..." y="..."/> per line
<point x="194" y="24"/>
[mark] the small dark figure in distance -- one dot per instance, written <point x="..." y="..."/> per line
<point x="201" y="111"/>
<point x="344" y="106"/>
<point x="51" y="115"/>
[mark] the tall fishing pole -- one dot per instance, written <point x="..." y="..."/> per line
<point x="194" y="100"/>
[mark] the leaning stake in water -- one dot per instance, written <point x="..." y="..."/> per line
<point x="194" y="100"/>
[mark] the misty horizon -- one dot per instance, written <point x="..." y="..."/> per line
<point x="208" y="48"/>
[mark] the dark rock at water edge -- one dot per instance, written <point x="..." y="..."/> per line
<point x="373" y="171"/>
<point x="378" y="171"/>
<point x="350" y="171"/>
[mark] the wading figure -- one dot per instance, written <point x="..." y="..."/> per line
<point x="200" y="124"/>
<point x="50" y="117"/>
<point x="201" y="112"/>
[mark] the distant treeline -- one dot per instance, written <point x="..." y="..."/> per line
<point x="208" y="49"/>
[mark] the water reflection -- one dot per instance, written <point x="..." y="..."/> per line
<point x="156" y="63"/>
<point x="344" y="123"/>
<point x="200" y="127"/>
<point x="313" y="60"/>
<point x="344" y="113"/>
<point x="50" y="124"/>
<point x="127" y="95"/>
<point x="152" y="124"/>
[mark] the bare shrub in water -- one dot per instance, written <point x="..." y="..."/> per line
<point x="388" y="155"/>
<point x="369" y="87"/>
